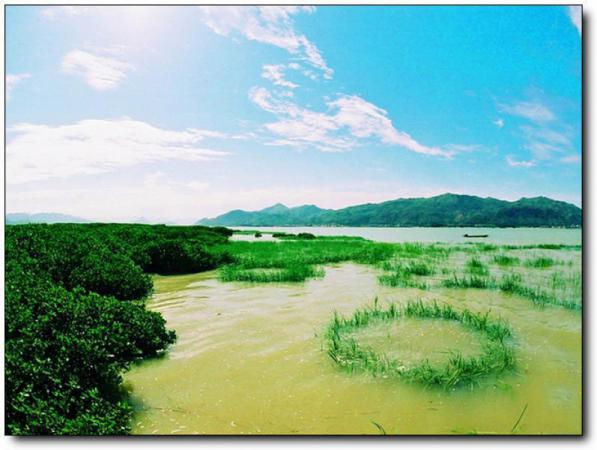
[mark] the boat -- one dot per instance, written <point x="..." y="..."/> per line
<point x="475" y="235"/>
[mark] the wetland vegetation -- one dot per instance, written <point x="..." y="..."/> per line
<point x="453" y="316"/>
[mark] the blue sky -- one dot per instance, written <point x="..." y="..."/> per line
<point x="178" y="113"/>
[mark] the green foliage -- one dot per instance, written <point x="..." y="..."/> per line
<point x="497" y="355"/>
<point x="69" y="334"/>
<point x="111" y="274"/>
<point x="177" y="256"/>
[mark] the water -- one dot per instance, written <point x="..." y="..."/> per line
<point x="502" y="236"/>
<point x="250" y="358"/>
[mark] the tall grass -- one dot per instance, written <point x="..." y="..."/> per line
<point x="497" y="355"/>
<point x="475" y="266"/>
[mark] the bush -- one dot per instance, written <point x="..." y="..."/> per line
<point x="171" y="257"/>
<point x="113" y="275"/>
<point x="64" y="355"/>
<point x="68" y="334"/>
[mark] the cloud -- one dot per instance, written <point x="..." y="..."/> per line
<point x="271" y="25"/>
<point x="513" y="163"/>
<point x="531" y="110"/>
<point x="38" y="152"/>
<point x="55" y="12"/>
<point x="575" y="14"/>
<point x="275" y="73"/>
<point x="499" y="123"/>
<point x="544" y="142"/>
<point x="571" y="159"/>
<point x="349" y="120"/>
<point x="99" y="72"/>
<point x="12" y="80"/>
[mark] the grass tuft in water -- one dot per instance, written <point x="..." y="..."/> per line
<point x="540" y="263"/>
<point x="505" y="260"/>
<point x="497" y="355"/>
<point x="475" y="266"/>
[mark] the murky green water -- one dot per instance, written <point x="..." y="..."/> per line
<point x="502" y="236"/>
<point x="250" y="360"/>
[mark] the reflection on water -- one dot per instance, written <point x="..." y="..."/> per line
<point x="249" y="359"/>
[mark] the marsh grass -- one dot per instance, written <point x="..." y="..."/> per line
<point x="469" y="282"/>
<point x="296" y="273"/>
<point x="496" y="357"/>
<point x="475" y="266"/>
<point x="540" y="262"/>
<point x="513" y="284"/>
<point x="505" y="260"/>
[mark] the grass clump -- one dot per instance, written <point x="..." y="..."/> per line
<point x="505" y="260"/>
<point x="467" y="282"/>
<point x="513" y="284"/>
<point x="475" y="266"/>
<point x="540" y="263"/>
<point x="497" y="355"/>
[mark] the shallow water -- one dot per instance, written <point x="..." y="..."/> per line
<point x="250" y="359"/>
<point x="502" y="236"/>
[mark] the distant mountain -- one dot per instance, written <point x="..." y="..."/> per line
<point x="447" y="210"/>
<point x="277" y="215"/>
<point x="20" y="218"/>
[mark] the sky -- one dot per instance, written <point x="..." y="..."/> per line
<point x="179" y="113"/>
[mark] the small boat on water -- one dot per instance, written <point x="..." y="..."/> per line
<point x="475" y="235"/>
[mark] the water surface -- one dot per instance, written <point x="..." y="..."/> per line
<point x="250" y="360"/>
<point x="502" y="236"/>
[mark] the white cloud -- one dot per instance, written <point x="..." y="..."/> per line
<point x="575" y="14"/>
<point x="513" y="163"/>
<point x="499" y="123"/>
<point x="38" y="152"/>
<point x="12" y="80"/>
<point x="275" y="73"/>
<point x="99" y="72"/>
<point x="55" y="12"/>
<point x="571" y="159"/>
<point x="350" y="119"/>
<point x="531" y="110"/>
<point x="544" y="142"/>
<point x="269" y="25"/>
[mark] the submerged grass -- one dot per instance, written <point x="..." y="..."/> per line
<point x="497" y="355"/>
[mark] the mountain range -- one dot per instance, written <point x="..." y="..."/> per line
<point x="446" y="210"/>
<point x="20" y="218"/>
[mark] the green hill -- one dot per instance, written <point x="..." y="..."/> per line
<point x="447" y="210"/>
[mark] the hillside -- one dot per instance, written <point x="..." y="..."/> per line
<point x="447" y="210"/>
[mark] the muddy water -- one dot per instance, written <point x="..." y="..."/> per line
<point x="249" y="360"/>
